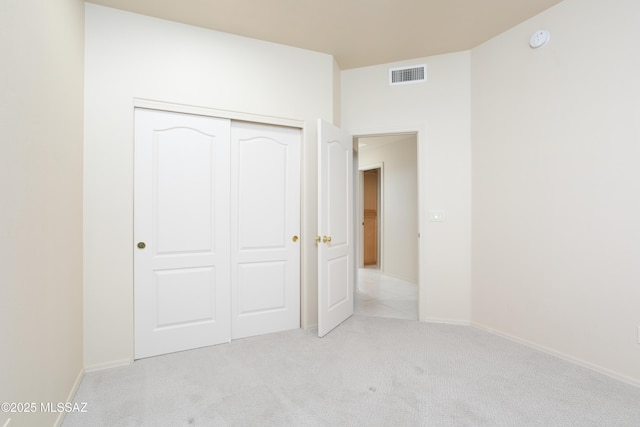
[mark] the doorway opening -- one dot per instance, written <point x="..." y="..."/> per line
<point x="387" y="284"/>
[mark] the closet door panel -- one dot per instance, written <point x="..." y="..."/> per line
<point x="261" y="173"/>
<point x="181" y="232"/>
<point x="265" y="226"/>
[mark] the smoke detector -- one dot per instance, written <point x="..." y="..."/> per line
<point x="539" y="39"/>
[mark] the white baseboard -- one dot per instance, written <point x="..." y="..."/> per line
<point x="70" y="397"/>
<point x="76" y="384"/>
<point x="397" y="277"/>
<point x="313" y="327"/>
<point x="597" y="368"/>
<point x="108" y="365"/>
<point x="446" y="321"/>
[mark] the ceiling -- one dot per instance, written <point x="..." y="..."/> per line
<point x="357" y="33"/>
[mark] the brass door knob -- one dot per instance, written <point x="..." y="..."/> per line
<point x="294" y="238"/>
<point x="317" y="239"/>
<point x="141" y="245"/>
<point x="326" y="239"/>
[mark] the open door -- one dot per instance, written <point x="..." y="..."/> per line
<point x="335" y="237"/>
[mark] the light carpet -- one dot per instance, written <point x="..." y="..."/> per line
<point x="368" y="372"/>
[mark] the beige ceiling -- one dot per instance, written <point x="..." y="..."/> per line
<point x="356" y="32"/>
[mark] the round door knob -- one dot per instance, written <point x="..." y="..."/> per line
<point x="141" y="245"/>
<point x="294" y="238"/>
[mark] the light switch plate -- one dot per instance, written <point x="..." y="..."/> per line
<point x="435" y="216"/>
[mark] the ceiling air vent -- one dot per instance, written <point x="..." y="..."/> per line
<point x="404" y="75"/>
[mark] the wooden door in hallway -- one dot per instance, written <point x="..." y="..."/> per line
<point x="371" y="183"/>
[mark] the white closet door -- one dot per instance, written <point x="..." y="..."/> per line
<point x="182" y="219"/>
<point x="265" y="224"/>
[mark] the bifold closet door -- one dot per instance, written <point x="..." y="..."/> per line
<point x="265" y="229"/>
<point x="181" y="232"/>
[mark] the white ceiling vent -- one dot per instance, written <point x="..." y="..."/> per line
<point x="404" y="75"/>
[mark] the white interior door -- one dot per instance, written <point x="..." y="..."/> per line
<point x="265" y="224"/>
<point x="181" y="232"/>
<point x="335" y="228"/>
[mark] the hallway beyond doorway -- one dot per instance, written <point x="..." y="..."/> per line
<point x="383" y="296"/>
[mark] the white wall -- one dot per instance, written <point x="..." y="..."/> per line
<point x="399" y="215"/>
<point x="132" y="56"/>
<point x="41" y="46"/>
<point x="337" y="94"/>
<point x="440" y="111"/>
<point x="556" y="184"/>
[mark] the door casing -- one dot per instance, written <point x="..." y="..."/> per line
<point x="420" y="133"/>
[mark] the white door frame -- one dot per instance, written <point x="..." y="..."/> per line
<point x="420" y="134"/>
<point x="212" y="112"/>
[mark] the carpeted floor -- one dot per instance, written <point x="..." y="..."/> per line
<point x="368" y="372"/>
